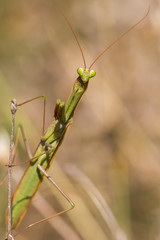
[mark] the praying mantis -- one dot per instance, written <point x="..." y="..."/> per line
<point x="50" y="141"/>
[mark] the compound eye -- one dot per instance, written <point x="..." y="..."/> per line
<point x="92" y="73"/>
<point x="80" y="71"/>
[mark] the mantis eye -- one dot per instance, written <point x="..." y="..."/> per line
<point x="92" y="73"/>
<point x="80" y="71"/>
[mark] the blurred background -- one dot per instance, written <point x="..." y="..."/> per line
<point x="109" y="162"/>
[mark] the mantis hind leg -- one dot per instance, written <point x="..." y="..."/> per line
<point x="72" y="205"/>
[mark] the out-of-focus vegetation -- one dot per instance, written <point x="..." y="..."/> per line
<point x="115" y="136"/>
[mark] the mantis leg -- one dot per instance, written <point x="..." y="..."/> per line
<point x="43" y="111"/>
<point x="20" y="128"/>
<point x="72" y="205"/>
<point x="27" y="147"/>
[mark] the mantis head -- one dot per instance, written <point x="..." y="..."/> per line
<point x="85" y="74"/>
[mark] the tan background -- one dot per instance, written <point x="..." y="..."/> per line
<point x="115" y="136"/>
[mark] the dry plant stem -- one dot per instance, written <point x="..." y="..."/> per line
<point x="13" y="108"/>
<point x="99" y="201"/>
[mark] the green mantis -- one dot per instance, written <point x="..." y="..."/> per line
<point x="45" y="152"/>
<point x="51" y="140"/>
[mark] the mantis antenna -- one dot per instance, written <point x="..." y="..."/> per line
<point x="121" y="36"/>
<point x="75" y="36"/>
<point x="108" y="47"/>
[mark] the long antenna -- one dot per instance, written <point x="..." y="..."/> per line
<point x="75" y="36"/>
<point x="121" y="36"/>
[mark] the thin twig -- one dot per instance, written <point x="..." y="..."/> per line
<point x="13" y="109"/>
